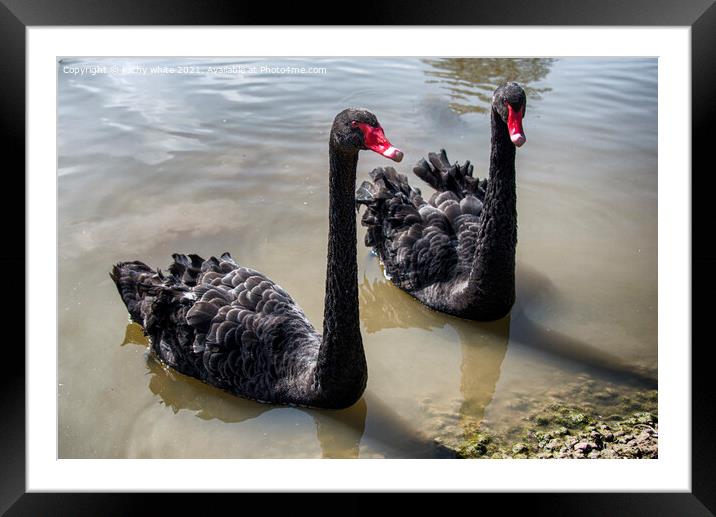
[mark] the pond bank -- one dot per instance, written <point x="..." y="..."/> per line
<point x="612" y="423"/>
<point x="588" y="437"/>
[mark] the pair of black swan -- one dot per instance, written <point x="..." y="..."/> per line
<point x="232" y="327"/>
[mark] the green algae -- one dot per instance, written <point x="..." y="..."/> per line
<point x="558" y="430"/>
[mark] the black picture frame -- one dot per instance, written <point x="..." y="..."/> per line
<point x="17" y="15"/>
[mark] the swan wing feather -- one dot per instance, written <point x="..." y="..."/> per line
<point x="415" y="240"/>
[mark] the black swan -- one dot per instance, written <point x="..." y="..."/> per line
<point x="235" y="329"/>
<point x="456" y="252"/>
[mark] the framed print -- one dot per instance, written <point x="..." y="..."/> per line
<point x="515" y="314"/>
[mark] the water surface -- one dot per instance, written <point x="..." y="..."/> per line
<point x="156" y="163"/>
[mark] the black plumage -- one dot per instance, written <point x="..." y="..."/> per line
<point x="234" y="328"/>
<point x="227" y="325"/>
<point x="454" y="252"/>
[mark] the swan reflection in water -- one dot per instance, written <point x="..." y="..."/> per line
<point x="482" y="344"/>
<point x="339" y="432"/>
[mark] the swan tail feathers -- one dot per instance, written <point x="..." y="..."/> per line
<point x="437" y="172"/>
<point x="136" y="282"/>
<point x="143" y="289"/>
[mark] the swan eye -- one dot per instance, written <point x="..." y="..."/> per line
<point x="354" y="123"/>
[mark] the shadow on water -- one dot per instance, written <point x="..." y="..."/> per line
<point x="534" y="288"/>
<point x="471" y="82"/>
<point x="339" y="432"/>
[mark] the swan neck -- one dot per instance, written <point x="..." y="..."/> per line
<point x="492" y="278"/>
<point x="341" y="370"/>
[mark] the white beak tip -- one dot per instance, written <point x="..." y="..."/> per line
<point x="394" y="154"/>
<point x="518" y="139"/>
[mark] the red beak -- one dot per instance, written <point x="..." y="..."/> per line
<point x="514" y="126"/>
<point x="375" y="140"/>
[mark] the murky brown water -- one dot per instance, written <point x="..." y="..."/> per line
<point x="158" y="163"/>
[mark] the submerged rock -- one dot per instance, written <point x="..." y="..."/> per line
<point x="519" y="448"/>
<point x="583" y="447"/>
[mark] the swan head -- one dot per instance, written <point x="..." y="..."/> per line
<point x="359" y="130"/>
<point x="510" y="102"/>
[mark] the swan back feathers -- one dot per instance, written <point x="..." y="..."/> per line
<point x="423" y="242"/>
